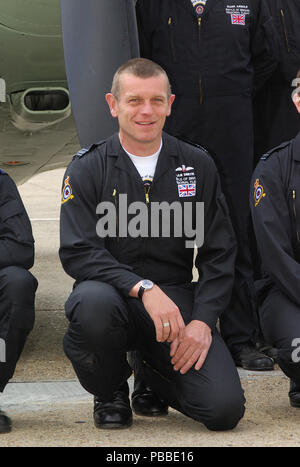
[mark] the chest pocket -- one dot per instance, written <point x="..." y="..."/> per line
<point x="15" y="224"/>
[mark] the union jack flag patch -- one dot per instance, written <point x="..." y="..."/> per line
<point x="238" y="19"/>
<point x="188" y="189"/>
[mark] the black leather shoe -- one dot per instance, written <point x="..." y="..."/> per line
<point x="249" y="358"/>
<point x="294" y="394"/>
<point x="113" y="414"/>
<point x="268" y="350"/>
<point x="145" y="402"/>
<point x="5" y="423"/>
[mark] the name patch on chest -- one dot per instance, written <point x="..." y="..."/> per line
<point x="238" y="14"/>
<point x="186" y="181"/>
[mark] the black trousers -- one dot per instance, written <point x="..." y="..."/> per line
<point x="280" y="322"/>
<point x="223" y="125"/>
<point x="104" y="326"/>
<point x="17" y="295"/>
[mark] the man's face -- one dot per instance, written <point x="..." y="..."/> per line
<point x="141" y="109"/>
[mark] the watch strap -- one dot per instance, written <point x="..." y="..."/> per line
<point x="141" y="292"/>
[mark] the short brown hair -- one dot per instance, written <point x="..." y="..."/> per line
<point x="141" y="67"/>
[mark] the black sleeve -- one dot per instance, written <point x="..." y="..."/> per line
<point x="82" y="252"/>
<point x="215" y="260"/>
<point x="16" y="240"/>
<point x="272" y="226"/>
<point x="264" y="44"/>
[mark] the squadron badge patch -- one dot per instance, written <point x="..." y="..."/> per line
<point x="258" y="192"/>
<point x="67" y="191"/>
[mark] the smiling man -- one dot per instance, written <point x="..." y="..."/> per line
<point x="141" y="113"/>
<point x="135" y="292"/>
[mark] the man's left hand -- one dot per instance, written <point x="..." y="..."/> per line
<point x="194" y="347"/>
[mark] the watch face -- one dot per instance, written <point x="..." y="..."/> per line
<point x="146" y="284"/>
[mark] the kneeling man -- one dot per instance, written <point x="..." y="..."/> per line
<point x="17" y="284"/>
<point x="132" y="207"/>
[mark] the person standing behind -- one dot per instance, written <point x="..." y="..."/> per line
<point x="215" y="55"/>
<point x="275" y="118"/>
<point x="17" y="284"/>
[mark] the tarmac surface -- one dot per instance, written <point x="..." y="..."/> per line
<point x="49" y="408"/>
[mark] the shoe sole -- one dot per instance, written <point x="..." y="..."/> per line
<point x="5" y="430"/>
<point x="153" y="414"/>
<point x="293" y="404"/>
<point x="245" y="367"/>
<point x="113" y="426"/>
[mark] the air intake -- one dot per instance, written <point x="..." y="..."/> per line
<point x="37" y="108"/>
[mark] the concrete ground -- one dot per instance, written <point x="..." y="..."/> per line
<point x="47" y="405"/>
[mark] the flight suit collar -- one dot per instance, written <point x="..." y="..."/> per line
<point x="123" y="162"/>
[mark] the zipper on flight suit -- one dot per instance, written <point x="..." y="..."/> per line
<point x="114" y="195"/>
<point x="295" y="214"/>
<point x="199" y="43"/>
<point x="145" y="242"/>
<point x="284" y="30"/>
<point x="199" y="31"/>
<point x="147" y="191"/>
<point x="171" y="39"/>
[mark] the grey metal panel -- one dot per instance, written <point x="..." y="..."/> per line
<point x="98" y="36"/>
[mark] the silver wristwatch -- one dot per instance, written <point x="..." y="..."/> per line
<point x="146" y="284"/>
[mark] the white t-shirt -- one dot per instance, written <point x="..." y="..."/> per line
<point x="145" y="165"/>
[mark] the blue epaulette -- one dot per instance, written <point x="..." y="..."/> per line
<point x="2" y="172"/>
<point x="84" y="151"/>
<point x="272" y="151"/>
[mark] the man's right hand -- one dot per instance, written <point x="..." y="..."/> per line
<point x="163" y="310"/>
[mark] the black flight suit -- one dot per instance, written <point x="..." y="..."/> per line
<point x="210" y="62"/>
<point x="17" y="284"/>
<point x="275" y="117"/>
<point x="105" y="322"/>
<point x="275" y="206"/>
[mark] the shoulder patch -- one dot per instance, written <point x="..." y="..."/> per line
<point x="272" y="151"/>
<point x="67" y="193"/>
<point x="259" y="192"/>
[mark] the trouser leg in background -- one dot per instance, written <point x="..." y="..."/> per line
<point x="280" y="322"/>
<point x="104" y="326"/>
<point x="17" y="296"/>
